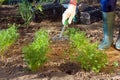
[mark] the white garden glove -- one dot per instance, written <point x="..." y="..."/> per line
<point x="69" y="14"/>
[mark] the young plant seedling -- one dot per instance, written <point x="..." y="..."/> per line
<point x="8" y="37"/>
<point x="84" y="52"/>
<point x="35" y="53"/>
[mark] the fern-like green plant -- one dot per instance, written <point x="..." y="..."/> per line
<point x="8" y="37"/>
<point x="86" y="53"/>
<point x="35" y="53"/>
<point x="25" y="9"/>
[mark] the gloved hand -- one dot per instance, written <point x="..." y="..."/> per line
<point x="69" y="14"/>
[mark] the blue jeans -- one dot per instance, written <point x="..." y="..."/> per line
<point x="108" y="5"/>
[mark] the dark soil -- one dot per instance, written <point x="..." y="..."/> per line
<point x="13" y="66"/>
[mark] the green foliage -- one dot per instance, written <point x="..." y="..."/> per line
<point x="116" y="64"/>
<point x="5" y="1"/>
<point x="1" y="1"/>
<point x="39" y="7"/>
<point x="35" y="53"/>
<point x="25" y="9"/>
<point x="7" y="37"/>
<point x="46" y="1"/>
<point x="86" y="53"/>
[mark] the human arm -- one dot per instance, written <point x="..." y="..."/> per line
<point x="69" y="13"/>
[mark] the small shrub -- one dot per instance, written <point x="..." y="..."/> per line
<point x="7" y="37"/>
<point x="35" y="53"/>
<point x="86" y="53"/>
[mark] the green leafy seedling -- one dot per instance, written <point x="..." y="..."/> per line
<point x="84" y="52"/>
<point x="8" y="37"/>
<point x="35" y="53"/>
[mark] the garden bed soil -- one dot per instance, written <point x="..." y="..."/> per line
<point x="13" y="66"/>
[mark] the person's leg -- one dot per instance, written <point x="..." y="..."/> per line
<point x="108" y="7"/>
<point x="117" y="45"/>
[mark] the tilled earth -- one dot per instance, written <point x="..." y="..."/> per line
<point x="13" y="66"/>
